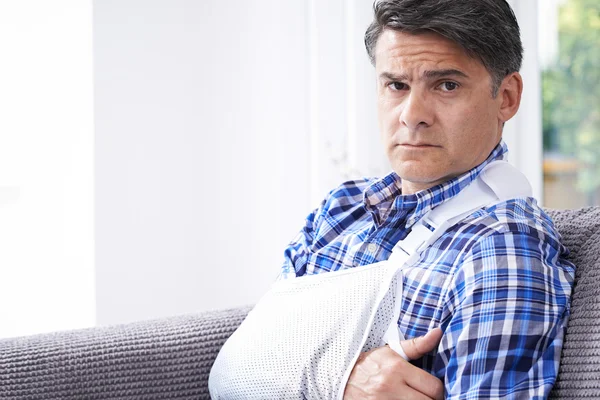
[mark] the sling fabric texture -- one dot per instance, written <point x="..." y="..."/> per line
<point x="171" y="358"/>
<point x="282" y="351"/>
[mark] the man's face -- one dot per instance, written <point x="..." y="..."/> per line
<point x="436" y="111"/>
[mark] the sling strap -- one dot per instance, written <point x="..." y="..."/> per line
<point x="497" y="182"/>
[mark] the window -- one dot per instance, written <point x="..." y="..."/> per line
<point x="570" y="58"/>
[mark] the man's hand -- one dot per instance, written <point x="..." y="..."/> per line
<point x="382" y="374"/>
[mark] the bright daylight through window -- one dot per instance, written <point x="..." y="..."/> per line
<point x="570" y="57"/>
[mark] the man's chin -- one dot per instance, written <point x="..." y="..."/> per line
<point x="415" y="172"/>
<point x="418" y="181"/>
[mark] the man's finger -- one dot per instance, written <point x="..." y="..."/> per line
<point x="427" y="384"/>
<point x="419" y="346"/>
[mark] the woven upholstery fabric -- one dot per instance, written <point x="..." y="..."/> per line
<point x="162" y="359"/>
<point x="579" y="374"/>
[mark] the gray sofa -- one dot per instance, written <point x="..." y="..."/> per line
<point x="170" y="358"/>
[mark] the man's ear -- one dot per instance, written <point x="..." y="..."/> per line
<point x="509" y="95"/>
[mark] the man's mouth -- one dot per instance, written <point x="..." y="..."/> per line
<point x="417" y="145"/>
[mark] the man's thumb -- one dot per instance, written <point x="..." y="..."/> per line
<point x="419" y="346"/>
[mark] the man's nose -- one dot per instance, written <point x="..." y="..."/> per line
<point x="415" y="112"/>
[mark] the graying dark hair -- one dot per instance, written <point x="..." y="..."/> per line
<point x="485" y="29"/>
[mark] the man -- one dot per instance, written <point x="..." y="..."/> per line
<point x="496" y="283"/>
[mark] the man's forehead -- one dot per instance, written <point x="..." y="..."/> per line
<point x="397" y="49"/>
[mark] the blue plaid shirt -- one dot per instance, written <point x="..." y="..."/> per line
<point x="497" y="283"/>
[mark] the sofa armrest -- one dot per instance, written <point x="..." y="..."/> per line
<point x="158" y="359"/>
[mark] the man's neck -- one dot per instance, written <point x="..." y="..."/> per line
<point x="409" y="187"/>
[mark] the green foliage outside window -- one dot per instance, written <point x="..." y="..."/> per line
<point x="571" y="92"/>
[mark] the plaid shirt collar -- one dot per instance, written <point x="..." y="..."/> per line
<point x="385" y="194"/>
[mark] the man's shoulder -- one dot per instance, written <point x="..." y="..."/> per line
<point x="520" y="216"/>
<point x="520" y="233"/>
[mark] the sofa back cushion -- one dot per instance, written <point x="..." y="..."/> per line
<point x="579" y="375"/>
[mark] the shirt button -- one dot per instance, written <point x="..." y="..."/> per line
<point x="372" y="248"/>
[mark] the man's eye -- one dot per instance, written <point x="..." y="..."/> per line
<point x="449" y="86"/>
<point x="397" y="86"/>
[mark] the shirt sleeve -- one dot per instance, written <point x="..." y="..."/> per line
<point x="505" y="319"/>
<point x="297" y="252"/>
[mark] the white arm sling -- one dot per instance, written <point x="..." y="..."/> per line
<point x="303" y="337"/>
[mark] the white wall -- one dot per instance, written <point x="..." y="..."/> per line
<point x="220" y="125"/>
<point x="523" y="134"/>
<point x="201" y="151"/>
<point x="46" y="166"/>
<point x="345" y="140"/>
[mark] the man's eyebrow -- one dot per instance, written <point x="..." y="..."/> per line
<point x="429" y="74"/>
<point x="393" y="77"/>
<point x="443" y="73"/>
